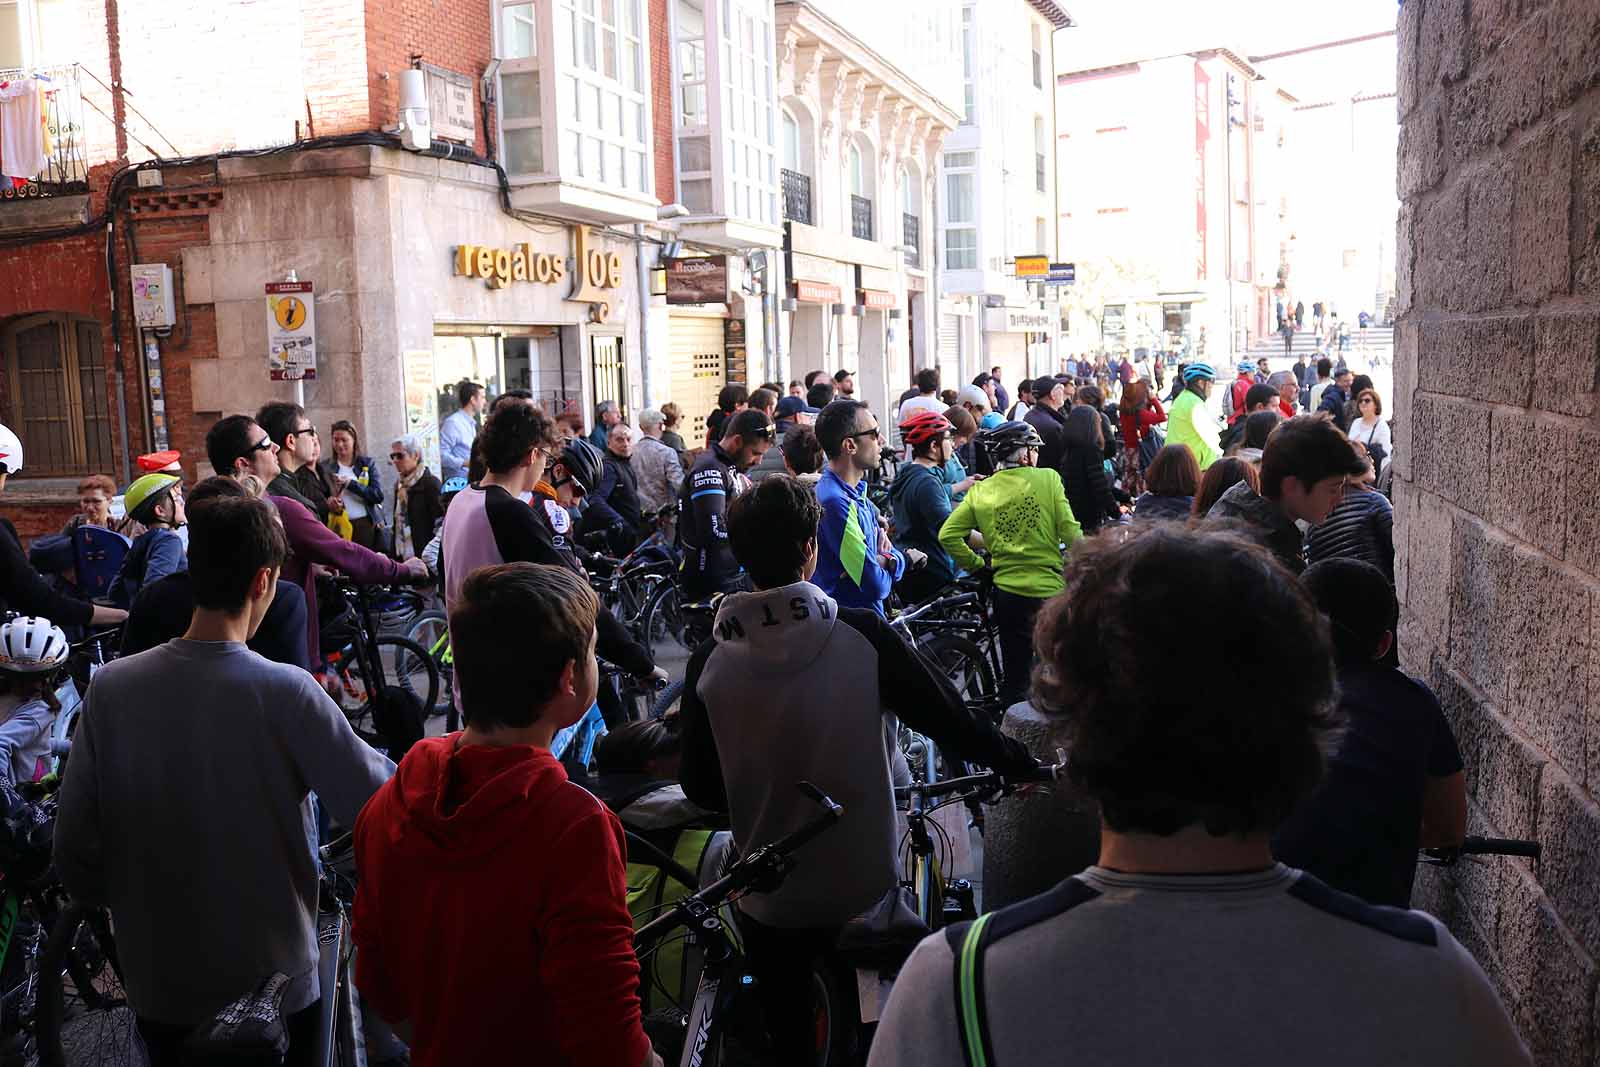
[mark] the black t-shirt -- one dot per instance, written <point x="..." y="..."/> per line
<point x="163" y="608"/>
<point x="1359" y="831"/>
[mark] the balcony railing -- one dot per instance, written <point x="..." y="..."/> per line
<point x="861" y="217"/>
<point x="911" y="234"/>
<point x="64" y="171"/>
<point x="797" y="196"/>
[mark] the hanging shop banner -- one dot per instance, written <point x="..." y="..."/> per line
<point x="877" y="298"/>
<point x="697" y="280"/>
<point x="1062" y="274"/>
<point x="422" y="402"/>
<point x="1032" y="266"/>
<point x="291" y="332"/>
<point x="817" y="293"/>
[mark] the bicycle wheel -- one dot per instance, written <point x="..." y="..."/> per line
<point x="963" y="662"/>
<point x="83" y="1015"/>
<point x="667" y="700"/>
<point x="661" y="628"/>
<point x="393" y="715"/>
<point x="430" y="630"/>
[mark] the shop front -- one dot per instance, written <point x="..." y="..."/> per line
<point x="1017" y="340"/>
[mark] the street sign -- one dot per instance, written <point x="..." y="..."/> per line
<point x="291" y="332"/>
<point x="1032" y="266"/>
<point x="1061" y="274"/>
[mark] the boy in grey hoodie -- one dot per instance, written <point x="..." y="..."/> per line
<point x="794" y="687"/>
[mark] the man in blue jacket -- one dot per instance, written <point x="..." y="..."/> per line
<point x="856" y="563"/>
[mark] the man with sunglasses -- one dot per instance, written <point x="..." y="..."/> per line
<point x="718" y="476"/>
<point x="856" y="563"/>
<point x="291" y="430"/>
<point x="238" y="446"/>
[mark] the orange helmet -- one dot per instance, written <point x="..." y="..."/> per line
<point x="923" y="426"/>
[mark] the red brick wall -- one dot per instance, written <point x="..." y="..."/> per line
<point x="661" y="100"/>
<point x="453" y="34"/>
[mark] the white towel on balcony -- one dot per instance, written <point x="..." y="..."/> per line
<point x="22" y="148"/>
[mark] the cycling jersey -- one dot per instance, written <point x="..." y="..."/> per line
<point x="849" y="567"/>
<point x="708" y="563"/>
<point x="1025" y="520"/>
<point x="1189" y="423"/>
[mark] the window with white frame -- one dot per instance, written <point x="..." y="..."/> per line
<point x="521" y="109"/>
<point x="38" y="33"/>
<point x="968" y="61"/>
<point x="960" y="211"/>
<point x="1038" y="58"/>
<point x="726" y="109"/>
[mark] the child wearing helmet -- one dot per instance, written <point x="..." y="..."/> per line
<point x="32" y="653"/>
<point x="156" y="500"/>
<point x="1022" y="513"/>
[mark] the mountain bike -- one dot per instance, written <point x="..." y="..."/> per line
<point x="390" y="717"/>
<point x="715" y="1033"/>
<point x="431" y="631"/>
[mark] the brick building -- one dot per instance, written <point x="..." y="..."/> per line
<point x="1495" y="383"/>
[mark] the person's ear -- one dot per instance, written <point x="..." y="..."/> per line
<point x="265" y="579"/>
<point x="1384" y="645"/>
<point x="567" y="684"/>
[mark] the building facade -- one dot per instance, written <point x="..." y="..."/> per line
<point x="861" y="130"/>
<point x="1160" y="206"/>
<point x="998" y="195"/>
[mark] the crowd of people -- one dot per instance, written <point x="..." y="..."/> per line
<point x="1262" y="791"/>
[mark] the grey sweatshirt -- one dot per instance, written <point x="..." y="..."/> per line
<point x="1247" y="970"/>
<point x="185" y="810"/>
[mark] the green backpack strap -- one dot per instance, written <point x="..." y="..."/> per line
<point x="968" y="941"/>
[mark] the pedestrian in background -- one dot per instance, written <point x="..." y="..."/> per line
<point x="460" y="429"/>
<point x="606" y="415"/>
<point x="94" y="508"/>
<point x="1170" y="486"/>
<point x="417" y="507"/>
<point x="356" y="485"/>
<point x="1369" y="429"/>
<point x="671" y="415"/>
<point x="1360" y="526"/>
<point x="1083" y="471"/>
<point x="658" y="468"/>
<point x="1218" y="478"/>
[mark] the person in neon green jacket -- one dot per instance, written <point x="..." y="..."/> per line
<point x="1022" y="512"/>
<point x="1188" y="421"/>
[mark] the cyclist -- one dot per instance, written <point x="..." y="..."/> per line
<point x="33" y="652"/>
<point x="23" y="589"/>
<point x="718" y="476"/>
<point x="857" y="564"/>
<point x="489" y="815"/>
<point x="185" y="804"/>
<point x="1395" y="782"/>
<point x="487" y="523"/>
<point x="1022" y="513"/>
<point x="1188" y="421"/>
<point x="1303" y="473"/>
<point x="162" y="609"/>
<point x="921" y="502"/>
<point x="1186" y="919"/>
<point x="156" y="502"/>
<point x="827" y="678"/>
<point x="237" y="446"/>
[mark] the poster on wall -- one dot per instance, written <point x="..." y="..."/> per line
<point x="291" y="332"/>
<point x="697" y="280"/>
<point x="422" y="403"/>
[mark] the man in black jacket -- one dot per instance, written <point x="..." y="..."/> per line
<point x="1047" y="417"/>
<point x="828" y="681"/>
<point x="1336" y="396"/>
<point x="615" y="506"/>
<point x="718" y="476"/>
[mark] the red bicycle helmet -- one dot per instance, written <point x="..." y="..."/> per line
<point x="923" y="426"/>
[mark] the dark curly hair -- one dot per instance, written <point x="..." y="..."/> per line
<point x="768" y="528"/>
<point x="511" y="432"/>
<point x="1231" y="743"/>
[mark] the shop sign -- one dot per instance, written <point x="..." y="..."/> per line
<point x="422" y="402"/>
<point x="1032" y="266"/>
<point x="812" y="268"/>
<point x="1062" y="274"/>
<point x="598" y="271"/>
<point x="877" y="298"/>
<point x="291" y="332"/>
<point x="697" y="280"/>
<point x="1022" y="320"/>
<point x="817" y="293"/>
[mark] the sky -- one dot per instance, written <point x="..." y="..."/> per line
<point x="1114" y="31"/>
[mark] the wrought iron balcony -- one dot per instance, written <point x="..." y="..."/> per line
<point x="861" y="217"/>
<point x="65" y="170"/>
<point x="911" y="234"/>
<point x="797" y="196"/>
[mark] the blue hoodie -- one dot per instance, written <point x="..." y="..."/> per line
<point x="921" y="504"/>
<point x="849" y="568"/>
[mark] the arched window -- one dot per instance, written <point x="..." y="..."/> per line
<point x="791" y="142"/>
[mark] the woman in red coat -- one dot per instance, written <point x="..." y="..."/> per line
<point x="1140" y="412"/>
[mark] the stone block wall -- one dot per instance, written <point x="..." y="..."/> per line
<point x="1498" y="435"/>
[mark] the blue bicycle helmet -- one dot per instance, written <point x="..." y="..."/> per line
<point x="1246" y="365"/>
<point x="1199" y="370"/>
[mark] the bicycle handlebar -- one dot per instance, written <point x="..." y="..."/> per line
<point x="1481" y="846"/>
<point x="911" y="615"/>
<point x="1045" y="772"/>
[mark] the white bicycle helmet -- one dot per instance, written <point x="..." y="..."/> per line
<point x="10" y="452"/>
<point x="31" y="645"/>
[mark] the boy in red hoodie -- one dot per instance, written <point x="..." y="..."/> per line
<point x="491" y="919"/>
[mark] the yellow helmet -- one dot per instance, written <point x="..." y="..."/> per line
<point x="147" y="489"/>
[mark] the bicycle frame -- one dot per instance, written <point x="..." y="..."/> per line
<point x="720" y="978"/>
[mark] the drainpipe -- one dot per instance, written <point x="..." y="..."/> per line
<point x="647" y="378"/>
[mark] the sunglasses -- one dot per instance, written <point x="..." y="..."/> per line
<point x="397" y="456"/>
<point x="874" y="432"/>
<point x="309" y="431"/>
<point x="263" y="445"/>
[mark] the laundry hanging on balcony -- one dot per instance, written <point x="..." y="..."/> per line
<point x="24" y="140"/>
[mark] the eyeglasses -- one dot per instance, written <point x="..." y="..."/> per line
<point x="309" y="431"/>
<point x="875" y="432"/>
<point x="263" y="445"/>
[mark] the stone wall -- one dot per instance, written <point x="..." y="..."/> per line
<point x="1497" y="426"/>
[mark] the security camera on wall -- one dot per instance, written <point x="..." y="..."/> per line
<point x="416" y="125"/>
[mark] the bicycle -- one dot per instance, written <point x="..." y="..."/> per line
<point x="389" y="717"/>
<point x="957" y="634"/>
<point x="341" y="1034"/>
<point x="431" y="630"/>
<point x="941" y="901"/>
<point x="708" y="1039"/>
<point x="1480" y="846"/>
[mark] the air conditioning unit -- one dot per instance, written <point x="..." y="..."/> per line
<point x="416" y="127"/>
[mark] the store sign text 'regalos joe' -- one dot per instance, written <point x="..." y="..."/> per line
<point x="598" y="271"/>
